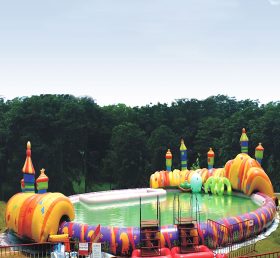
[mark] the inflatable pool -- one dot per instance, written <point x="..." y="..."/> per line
<point x="127" y="213"/>
<point x="123" y="239"/>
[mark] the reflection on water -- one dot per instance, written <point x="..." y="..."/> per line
<point x="209" y="206"/>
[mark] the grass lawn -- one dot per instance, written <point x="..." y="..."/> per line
<point x="2" y="217"/>
<point x="271" y="243"/>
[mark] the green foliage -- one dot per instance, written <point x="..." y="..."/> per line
<point x="162" y="139"/>
<point x="2" y="216"/>
<point x="79" y="186"/>
<point x="85" y="147"/>
<point x="127" y="157"/>
<point x="196" y="165"/>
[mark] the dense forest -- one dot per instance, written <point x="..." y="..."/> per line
<point x="82" y="145"/>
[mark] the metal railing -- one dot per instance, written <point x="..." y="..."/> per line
<point x="240" y="250"/>
<point x="225" y="240"/>
<point x="27" y="250"/>
<point x="40" y="250"/>
<point x="219" y="235"/>
<point x="43" y="250"/>
<point x="265" y="255"/>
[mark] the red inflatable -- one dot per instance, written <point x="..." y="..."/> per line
<point x="165" y="253"/>
<point x="221" y="256"/>
<point x="202" y="252"/>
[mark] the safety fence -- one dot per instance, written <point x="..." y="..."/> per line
<point x="225" y="239"/>
<point x="265" y="255"/>
<point x="219" y="236"/>
<point x="42" y="250"/>
<point x="27" y="250"/>
<point x="239" y="249"/>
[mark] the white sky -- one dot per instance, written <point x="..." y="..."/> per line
<point x="140" y="51"/>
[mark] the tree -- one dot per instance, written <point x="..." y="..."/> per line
<point x="79" y="142"/>
<point x="161" y="139"/>
<point x="127" y="156"/>
<point x="208" y="135"/>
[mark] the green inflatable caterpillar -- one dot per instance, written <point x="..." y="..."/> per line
<point x="216" y="185"/>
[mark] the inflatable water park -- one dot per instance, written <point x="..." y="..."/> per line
<point x="184" y="213"/>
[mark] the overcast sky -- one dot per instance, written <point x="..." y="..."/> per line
<point x="140" y="51"/>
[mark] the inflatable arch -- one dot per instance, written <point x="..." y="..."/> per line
<point x="245" y="174"/>
<point x="37" y="216"/>
<point x="217" y="185"/>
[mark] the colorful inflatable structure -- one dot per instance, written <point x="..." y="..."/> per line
<point x="37" y="216"/>
<point x="243" y="174"/>
<point x="49" y="216"/>
<point x="216" y="185"/>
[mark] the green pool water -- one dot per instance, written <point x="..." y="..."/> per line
<point x="125" y="214"/>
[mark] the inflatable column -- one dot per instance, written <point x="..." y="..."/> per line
<point x="22" y="185"/>
<point x="28" y="171"/>
<point x="168" y="158"/>
<point x="259" y="153"/>
<point x="184" y="155"/>
<point x="210" y="158"/>
<point x="244" y="141"/>
<point x="42" y="182"/>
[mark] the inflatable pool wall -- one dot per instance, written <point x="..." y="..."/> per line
<point x="117" y="240"/>
<point x="122" y="240"/>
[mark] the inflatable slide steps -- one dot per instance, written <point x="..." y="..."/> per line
<point x="149" y="241"/>
<point x="188" y="235"/>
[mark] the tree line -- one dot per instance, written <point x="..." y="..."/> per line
<point x="81" y="144"/>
